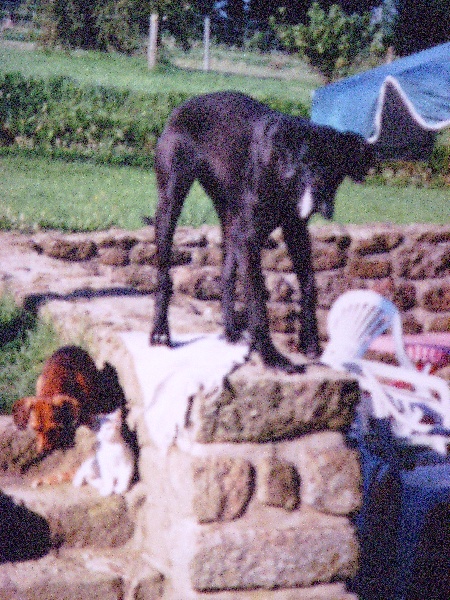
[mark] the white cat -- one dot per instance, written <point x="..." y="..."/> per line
<point x="111" y="468"/>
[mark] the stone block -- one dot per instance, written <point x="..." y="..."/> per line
<point x="327" y="257"/>
<point x="370" y="268"/>
<point x="51" y="578"/>
<point x="17" y="447"/>
<point x="423" y="262"/>
<point x="114" y="256"/>
<point x="330" y="474"/>
<point x="276" y="259"/>
<point x="277" y="484"/>
<point x="376" y="243"/>
<point x="283" y="317"/>
<point x="223" y="487"/>
<point x="437" y="299"/>
<point x="72" y="249"/>
<point x="260" y="405"/>
<point x="143" y="253"/>
<point x="320" y="549"/>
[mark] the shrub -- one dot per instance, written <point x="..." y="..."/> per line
<point x="108" y="125"/>
<point x="332" y="41"/>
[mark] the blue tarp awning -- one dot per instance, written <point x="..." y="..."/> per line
<point x="399" y="107"/>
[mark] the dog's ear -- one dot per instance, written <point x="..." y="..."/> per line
<point x="21" y="411"/>
<point x="290" y="147"/>
<point x="68" y="408"/>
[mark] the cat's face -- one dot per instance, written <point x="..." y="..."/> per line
<point x="108" y="426"/>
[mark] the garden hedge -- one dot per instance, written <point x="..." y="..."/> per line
<point x="109" y="125"/>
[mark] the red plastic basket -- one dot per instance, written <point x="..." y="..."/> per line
<point x="428" y="354"/>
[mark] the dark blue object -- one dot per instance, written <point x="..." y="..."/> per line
<point x="399" y="107"/>
<point x="404" y="523"/>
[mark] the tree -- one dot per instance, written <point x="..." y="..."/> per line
<point x="331" y="41"/>
<point x="118" y="24"/>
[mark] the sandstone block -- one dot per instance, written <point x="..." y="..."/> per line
<point x="327" y="257"/>
<point x="143" y="253"/>
<point x="277" y="484"/>
<point x="370" y="268"/>
<point x="422" y="262"/>
<point x="223" y="487"/>
<point x="68" y="248"/>
<point x="50" y="578"/>
<point x="283" y="318"/>
<point x="376" y="243"/>
<point x="437" y="299"/>
<point x="330" y="474"/>
<point x="190" y="237"/>
<point x="114" y="256"/>
<point x="324" y="591"/>
<point x="319" y="550"/>
<point x="258" y="405"/>
<point x="17" y="447"/>
<point x="142" y="278"/>
<point x="276" y="259"/>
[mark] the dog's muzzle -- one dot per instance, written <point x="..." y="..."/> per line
<point x="307" y="206"/>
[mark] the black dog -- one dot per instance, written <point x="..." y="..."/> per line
<point x="263" y="170"/>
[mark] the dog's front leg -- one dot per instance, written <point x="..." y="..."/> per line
<point x="255" y="297"/>
<point x="296" y="236"/>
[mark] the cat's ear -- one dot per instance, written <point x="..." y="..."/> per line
<point x="21" y="411"/>
<point x="68" y="406"/>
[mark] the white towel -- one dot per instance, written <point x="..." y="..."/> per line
<point x="170" y="377"/>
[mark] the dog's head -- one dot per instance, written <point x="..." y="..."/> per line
<point x="53" y="419"/>
<point x="314" y="160"/>
<point x="329" y="160"/>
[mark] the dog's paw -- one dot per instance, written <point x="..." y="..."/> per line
<point x="275" y="360"/>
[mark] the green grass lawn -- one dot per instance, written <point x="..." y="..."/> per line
<point x="42" y="193"/>
<point x="113" y="69"/>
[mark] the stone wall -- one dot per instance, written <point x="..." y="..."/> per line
<point x="408" y="264"/>
<point x="255" y="499"/>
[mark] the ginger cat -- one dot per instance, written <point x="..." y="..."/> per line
<point x="68" y="394"/>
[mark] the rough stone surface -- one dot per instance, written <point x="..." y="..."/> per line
<point x="93" y="286"/>
<point x="223" y="487"/>
<point x="278" y="484"/>
<point x="258" y="406"/>
<point x="17" y="447"/>
<point x="323" y="549"/>
<point x="82" y="575"/>
<point x="330" y="474"/>
<point x="333" y="591"/>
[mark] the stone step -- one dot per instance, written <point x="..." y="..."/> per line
<point x="65" y="517"/>
<point x="82" y="575"/>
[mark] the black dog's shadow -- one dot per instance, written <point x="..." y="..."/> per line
<point x="24" y="535"/>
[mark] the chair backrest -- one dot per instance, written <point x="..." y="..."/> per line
<point x="355" y="320"/>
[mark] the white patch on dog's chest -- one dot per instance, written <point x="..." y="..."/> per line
<point x="305" y="205"/>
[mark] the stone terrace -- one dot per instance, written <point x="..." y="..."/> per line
<point x="257" y="505"/>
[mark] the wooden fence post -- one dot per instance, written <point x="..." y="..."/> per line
<point x="152" y="49"/>
<point x="206" y="43"/>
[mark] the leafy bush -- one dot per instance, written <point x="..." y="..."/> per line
<point x="332" y="41"/>
<point x="109" y="125"/>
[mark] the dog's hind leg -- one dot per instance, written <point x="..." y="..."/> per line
<point x="175" y="174"/>
<point x="296" y="236"/>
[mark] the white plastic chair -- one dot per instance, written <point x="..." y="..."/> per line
<point x="355" y="320"/>
<point x="416" y="403"/>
